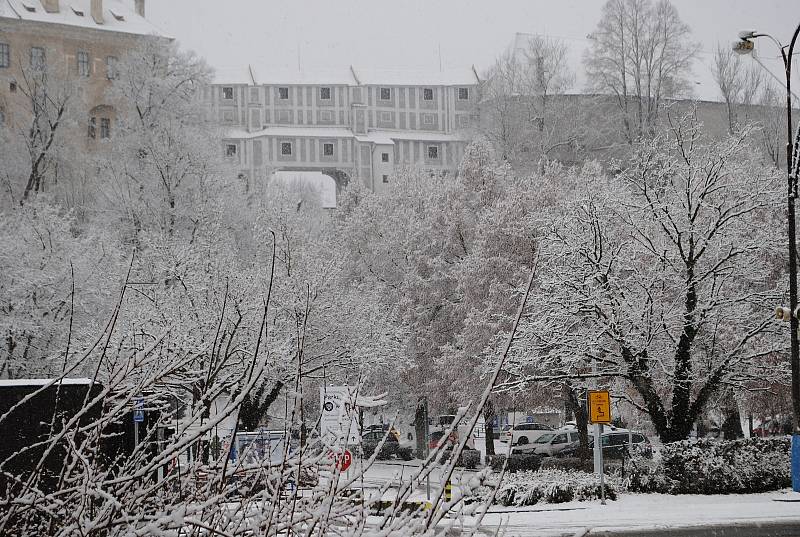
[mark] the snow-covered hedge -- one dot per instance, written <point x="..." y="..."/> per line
<point x="552" y="486"/>
<point x="568" y="463"/>
<point x="712" y="467"/>
<point x="517" y="462"/>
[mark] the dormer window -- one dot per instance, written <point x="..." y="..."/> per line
<point x="427" y="94"/>
<point x="463" y="94"/>
<point x="386" y="94"/>
<point x="325" y="94"/>
<point x="227" y="93"/>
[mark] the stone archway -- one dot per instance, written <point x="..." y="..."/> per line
<point x="341" y="177"/>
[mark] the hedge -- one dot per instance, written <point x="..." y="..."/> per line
<point x="568" y="463"/>
<point x="712" y="467"/>
<point x="517" y="462"/>
<point x="553" y="486"/>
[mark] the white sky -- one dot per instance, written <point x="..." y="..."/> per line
<point x="409" y="33"/>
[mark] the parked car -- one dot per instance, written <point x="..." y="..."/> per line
<point x="391" y="446"/>
<point x="438" y="437"/>
<point x="615" y="445"/>
<point x="549" y="444"/>
<point x="504" y="434"/>
<point x="526" y="433"/>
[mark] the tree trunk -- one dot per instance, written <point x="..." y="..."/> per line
<point x="577" y="402"/>
<point x="420" y="427"/>
<point x="488" y="417"/>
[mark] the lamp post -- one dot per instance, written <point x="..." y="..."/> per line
<point x="745" y="45"/>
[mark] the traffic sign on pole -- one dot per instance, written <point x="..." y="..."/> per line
<point x="138" y="410"/>
<point x="599" y="407"/>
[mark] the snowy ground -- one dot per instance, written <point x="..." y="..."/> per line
<point x="643" y="512"/>
<point x="631" y="512"/>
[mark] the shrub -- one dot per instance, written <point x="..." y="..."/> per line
<point x="568" y="463"/>
<point x="517" y="462"/>
<point x="712" y="467"/>
<point x="553" y="486"/>
<point x="469" y="458"/>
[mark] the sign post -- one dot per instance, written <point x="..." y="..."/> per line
<point x="600" y="414"/>
<point x="138" y="417"/>
<point x="339" y="420"/>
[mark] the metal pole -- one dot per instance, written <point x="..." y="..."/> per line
<point x="602" y="473"/>
<point x="792" y="195"/>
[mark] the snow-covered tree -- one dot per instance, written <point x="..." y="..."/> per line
<point x="663" y="276"/>
<point x="641" y="54"/>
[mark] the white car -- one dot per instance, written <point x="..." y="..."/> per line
<point x="525" y="433"/>
<point x="551" y="443"/>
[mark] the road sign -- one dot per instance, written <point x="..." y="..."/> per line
<point x="138" y="410"/>
<point x="345" y="460"/>
<point x="339" y="420"/>
<point x="599" y="407"/>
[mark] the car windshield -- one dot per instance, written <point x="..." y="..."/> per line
<point x="545" y="438"/>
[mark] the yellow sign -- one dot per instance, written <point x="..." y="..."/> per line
<point x="599" y="407"/>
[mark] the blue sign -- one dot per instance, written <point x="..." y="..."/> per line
<point x="138" y="412"/>
<point x="529" y="419"/>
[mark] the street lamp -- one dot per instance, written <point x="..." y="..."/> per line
<point x="745" y="45"/>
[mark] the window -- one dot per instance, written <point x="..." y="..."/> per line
<point x="384" y="157"/>
<point x="326" y="116"/>
<point x="111" y="67"/>
<point x="433" y="152"/>
<point x="427" y="119"/>
<point x="386" y="117"/>
<point x="5" y="55"/>
<point x="105" y="127"/>
<point x="463" y="121"/>
<point x="254" y="97"/>
<point x="463" y="94"/>
<point x="92" y="132"/>
<point x="37" y="58"/>
<point x="227" y="93"/>
<point x="560" y="439"/>
<point x="327" y="150"/>
<point x="386" y="94"/>
<point x="325" y="94"/>
<point x="12" y="86"/>
<point x="286" y="148"/>
<point x="83" y="63"/>
<point x="230" y="150"/>
<point x="427" y="94"/>
<point x="385" y="178"/>
<point x="2" y="117"/>
<point x="283" y="93"/>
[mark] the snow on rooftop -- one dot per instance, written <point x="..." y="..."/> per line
<point x="353" y="76"/>
<point x="403" y="77"/>
<point x="6" y="383"/>
<point x="117" y="16"/>
<point x="292" y="132"/>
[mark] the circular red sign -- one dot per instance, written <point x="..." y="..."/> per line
<point x="344" y="460"/>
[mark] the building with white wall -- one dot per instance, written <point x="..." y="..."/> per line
<point x="349" y="124"/>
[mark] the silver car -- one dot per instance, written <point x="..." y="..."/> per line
<point x="550" y="444"/>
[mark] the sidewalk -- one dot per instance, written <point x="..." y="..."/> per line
<point x="749" y="515"/>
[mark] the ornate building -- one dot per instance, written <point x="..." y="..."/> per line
<point x="75" y="41"/>
<point x="355" y="123"/>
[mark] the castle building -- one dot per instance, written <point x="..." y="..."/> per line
<point x="79" y="41"/>
<point x="356" y="123"/>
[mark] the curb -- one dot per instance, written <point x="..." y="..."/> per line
<point x="744" y="529"/>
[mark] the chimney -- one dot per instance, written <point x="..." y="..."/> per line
<point x="97" y="11"/>
<point x="51" y="6"/>
<point x="140" y="8"/>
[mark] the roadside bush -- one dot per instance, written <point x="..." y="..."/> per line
<point x="553" y="486"/>
<point x="568" y="463"/>
<point x="713" y="467"/>
<point x="388" y="450"/>
<point x="517" y="462"/>
<point x="469" y="458"/>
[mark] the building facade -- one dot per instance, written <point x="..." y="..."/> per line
<point x="77" y="42"/>
<point x="353" y="124"/>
